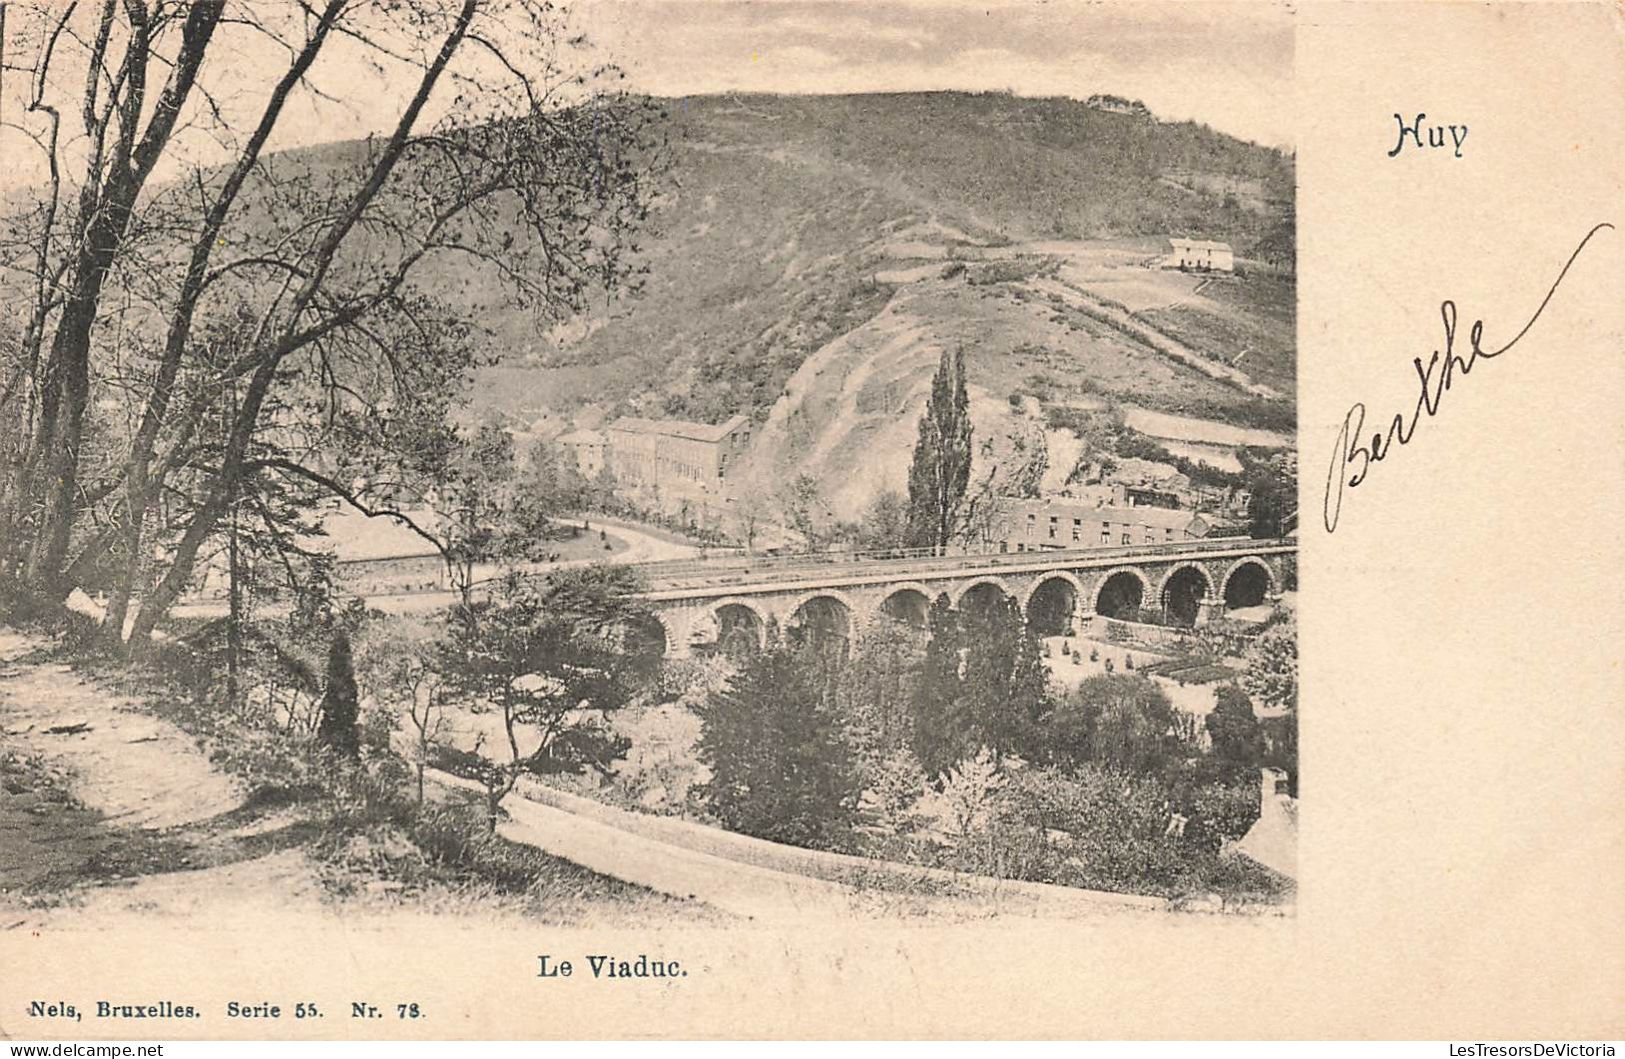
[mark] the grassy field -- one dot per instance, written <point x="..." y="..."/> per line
<point x="1253" y="317"/>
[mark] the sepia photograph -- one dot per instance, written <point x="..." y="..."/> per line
<point x="649" y="463"/>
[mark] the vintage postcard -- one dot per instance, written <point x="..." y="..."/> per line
<point x="801" y="518"/>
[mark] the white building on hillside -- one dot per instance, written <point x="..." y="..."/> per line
<point x="1201" y="255"/>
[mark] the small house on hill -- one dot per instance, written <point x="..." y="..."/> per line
<point x="1201" y="255"/>
<point x="1117" y="105"/>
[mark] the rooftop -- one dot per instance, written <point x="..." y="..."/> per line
<point x="1199" y="244"/>
<point x="1176" y="518"/>
<point x="678" y="428"/>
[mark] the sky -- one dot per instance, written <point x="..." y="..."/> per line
<point x="1228" y="64"/>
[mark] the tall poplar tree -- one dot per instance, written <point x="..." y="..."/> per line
<point x="941" y="469"/>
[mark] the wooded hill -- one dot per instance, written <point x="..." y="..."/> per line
<point x="781" y="211"/>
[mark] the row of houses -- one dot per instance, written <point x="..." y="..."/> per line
<point x="1062" y="523"/>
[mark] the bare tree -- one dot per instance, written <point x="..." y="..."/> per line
<point x="305" y="293"/>
<point x="409" y="680"/>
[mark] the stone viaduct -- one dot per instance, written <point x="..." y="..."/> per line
<point x="734" y="600"/>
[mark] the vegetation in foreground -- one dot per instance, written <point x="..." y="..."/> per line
<point x="353" y="802"/>
<point x="951" y="749"/>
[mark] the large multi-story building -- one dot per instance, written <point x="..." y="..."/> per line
<point x="1038" y="525"/>
<point x="587" y="446"/>
<point x="677" y="467"/>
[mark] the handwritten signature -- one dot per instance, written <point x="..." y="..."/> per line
<point x="1351" y="452"/>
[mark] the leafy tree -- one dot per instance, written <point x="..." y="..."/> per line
<point x="876" y="686"/>
<point x="1237" y="737"/>
<point x="885" y="522"/>
<point x="551" y="483"/>
<point x="1004" y="696"/>
<point x="1122" y="721"/>
<point x="804" y="510"/>
<point x="554" y="662"/>
<point x="781" y="766"/>
<point x="327" y="267"/>
<point x="473" y="500"/>
<point x="940" y="472"/>
<point x="1270" y="671"/>
<point x="404" y="678"/>
<point x="605" y="492"/>
<point x="936" y="744"/>
<point x="982" y="684"/>
<point x="340" y="702"/>
<point x="970" y="791"/>
<point x="1272" y="487"/>
<point x="1281" y="737"/>
<point x="893" y="785"/>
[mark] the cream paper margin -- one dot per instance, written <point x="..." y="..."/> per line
<point x="1463" y="745"/>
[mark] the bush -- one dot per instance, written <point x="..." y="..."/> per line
<point x="1222" y="813"/>
<point x="340" y="707"/>
<point x="1119" y="836"/>
<point x="892" y="788"/>
<point x="1236" y="735"/>
<point x="456" y="840"/>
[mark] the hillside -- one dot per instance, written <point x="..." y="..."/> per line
<point x="810" y="257"/>
<point x="817" y="254"/>
<point x="789" y="215"/>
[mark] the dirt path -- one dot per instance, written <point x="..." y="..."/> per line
<point x="130" y="767"/>
<point x="1080" y="299"/>
<point x="756" y="893"/>
<point x="684" y="861"/>
<point x="120" y="819"/>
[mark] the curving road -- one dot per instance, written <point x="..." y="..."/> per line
<point x="641" y="547"/>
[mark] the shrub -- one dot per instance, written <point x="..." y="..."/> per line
<point x="969" y="792"/>
<point x="893" y="787"/>
<point x="340" y="707"/>
<point x="1221" y="813"/>
<point x="1119" y="833"/>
